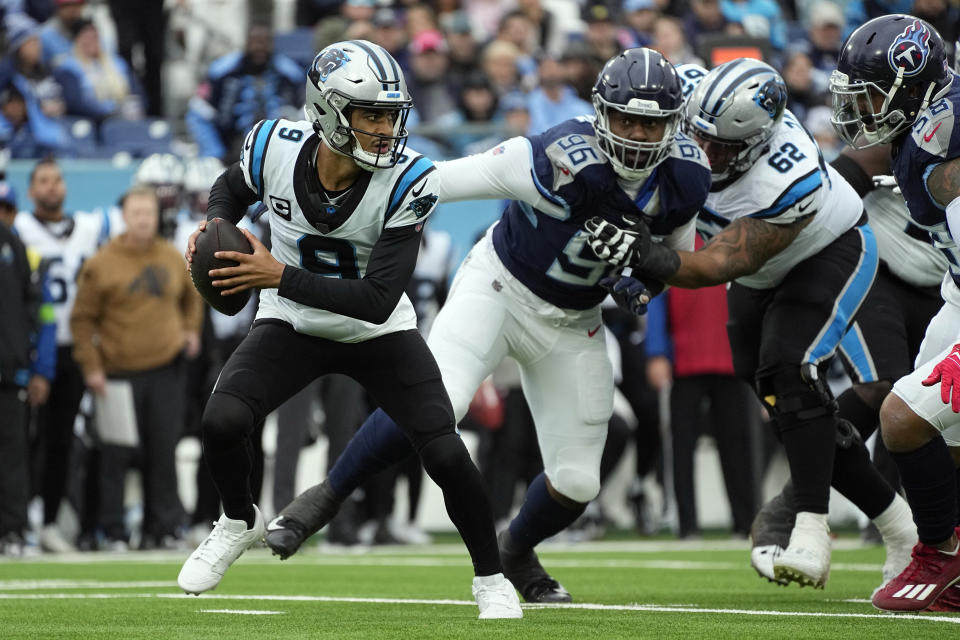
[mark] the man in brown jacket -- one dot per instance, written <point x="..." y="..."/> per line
<point x="136" y="311"/>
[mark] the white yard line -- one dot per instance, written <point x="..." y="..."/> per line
<point x="585" y="606"/>
<point x="243" y="612"/>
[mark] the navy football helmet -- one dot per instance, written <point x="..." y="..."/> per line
<point x="889" y="70"/>
<point x="637" y="82"/>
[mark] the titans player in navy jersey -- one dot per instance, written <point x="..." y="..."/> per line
<point x="531" y="289"/>
<point x="893" y="84"/>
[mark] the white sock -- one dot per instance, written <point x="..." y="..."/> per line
<point x="810" y="520"/>
<point x="896" y="521"/>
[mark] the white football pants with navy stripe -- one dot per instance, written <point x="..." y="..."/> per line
<point x="566" y="374"/>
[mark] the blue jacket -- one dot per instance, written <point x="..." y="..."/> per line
<point x="79" y="94"/>
<point x="233" y="99"/>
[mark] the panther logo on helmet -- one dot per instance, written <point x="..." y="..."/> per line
<point x="910" y="50"/>
<point x="330" y="61"/>
<point x="772" y="97"/>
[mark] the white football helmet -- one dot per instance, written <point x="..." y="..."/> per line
<point x="356" y="73"/>
<point x="163" y="172"/>
<point x="199" y="176"/>
<point x="736" y="108"/>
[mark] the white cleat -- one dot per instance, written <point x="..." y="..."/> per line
<point x="229" y="539"/>
<point x="496" y="597"/>
<point x="806" y="560"/>
<point x="762" y="559"/>
<point x="52" y="540"/>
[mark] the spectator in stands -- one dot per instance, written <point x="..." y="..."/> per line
<point x="549" y="30"/>
<point x="143" y="23"/>
<point x="581" y="67"/>
<point x="818" y="124"/>
<point x="515" y="112"/>
<point x="760" y="18"/>
<point x="24" y="67"/>
<point x="688" y="351"/>
<point x="806" y="86"/>
<point x="825" y="35"/>
<point x="603" y="35"/>
<point x="420" y="17"/>
<point x="241" y="89"/>
<point x="310" y="12"/>
<point x="96" y="83"/>
<point x="429" y="84"/>
<point x="463" y="48"/>
<point x="475" y="127"/>
<point x="137" y="282"/>
<point x="24" y="130"/>
<point x="553" y="101"/>
<point x="500" y="65"/>
<point x="669" y="40"/>
<point x="705" y="18"/>
<point x="57" y="32"/>
<point x="640" y="16"/>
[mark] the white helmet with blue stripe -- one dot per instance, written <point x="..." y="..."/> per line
<point x="356" y="73"/>
<point x="735" y="110"/>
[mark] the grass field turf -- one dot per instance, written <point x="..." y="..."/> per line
<point x="658" y="589"/>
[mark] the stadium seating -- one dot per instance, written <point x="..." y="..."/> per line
<point x="296" y="44"/>
<point x="139" y="138"/>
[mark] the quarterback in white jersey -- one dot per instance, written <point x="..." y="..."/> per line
<point x="790" y="236"/>
<point x="347" y="205"/>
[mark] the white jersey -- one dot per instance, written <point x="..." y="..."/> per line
<point x="789" y="182"/>
<point x="63" y="246"/>
<point x="910" y="256"/>
<point x="275" y="156"/>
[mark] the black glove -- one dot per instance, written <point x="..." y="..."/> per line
<point x="629" y="293"/>
<point x="633" y="248"/>
<point x="616" y="246"/>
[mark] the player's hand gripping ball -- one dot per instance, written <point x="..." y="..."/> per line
<point x="220" y="235"/>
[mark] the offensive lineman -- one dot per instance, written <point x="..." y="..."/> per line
<point x="348" y="204"/>
<point x="790" y="235"/>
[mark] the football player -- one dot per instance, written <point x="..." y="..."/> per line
<point x="347" y="205"/>
<point x="893" y="85"/>
<point x="63" y="241"/>
<point x="790" y="236"/>
<point x="531" y="289"/>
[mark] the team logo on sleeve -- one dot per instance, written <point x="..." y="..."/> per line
<point x="910" y="50"/>
<point x="421" y="206"/>
<point x="329" y="62"/>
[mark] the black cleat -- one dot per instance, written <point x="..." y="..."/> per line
<point x="526" y="573"/>
<point x="300" y="519"/>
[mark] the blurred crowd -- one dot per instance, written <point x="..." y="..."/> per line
<point x="88" y="78"/>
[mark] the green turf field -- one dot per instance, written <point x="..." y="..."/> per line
<point x="623" y="589"/>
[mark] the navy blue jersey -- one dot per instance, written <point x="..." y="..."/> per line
<point x="934" y="139"/>
<point x="545" y="248"/>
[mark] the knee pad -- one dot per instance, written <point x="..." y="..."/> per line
<point x="226" y="420"/>
<point x="576" y="484"/>
<point x="796" y="395"/>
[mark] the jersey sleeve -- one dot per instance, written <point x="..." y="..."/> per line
<point x="254" y="153"/>
<point x="414" y="195"/>
<point x="798" y="201"/>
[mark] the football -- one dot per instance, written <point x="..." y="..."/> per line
<point x="220" y="235"/>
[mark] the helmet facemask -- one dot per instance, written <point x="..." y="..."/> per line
<point x="858" y="121"/>
<point x="634" y="160"/>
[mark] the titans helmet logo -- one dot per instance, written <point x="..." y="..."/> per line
<point x="329" y="62"/>
<point x="772" y="97"/>
<point x="910" y="50"/>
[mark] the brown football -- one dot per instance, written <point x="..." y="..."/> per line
<point x="220" y="235"/>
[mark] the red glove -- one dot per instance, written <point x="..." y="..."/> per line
<point x="947" y="373"/>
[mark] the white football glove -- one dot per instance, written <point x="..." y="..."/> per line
<point x="887" y="181"/>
